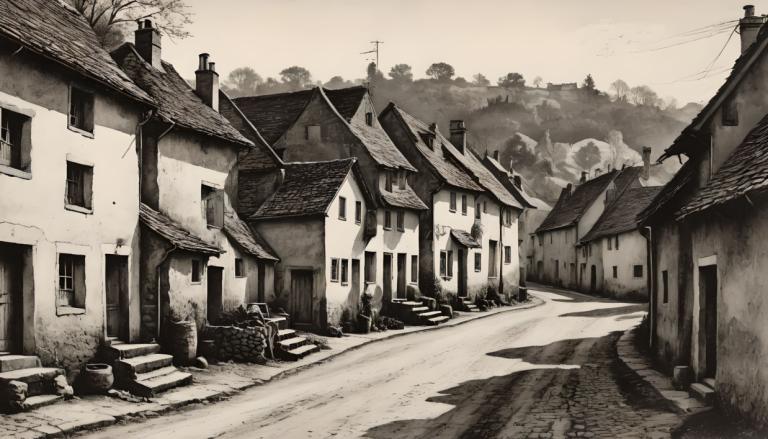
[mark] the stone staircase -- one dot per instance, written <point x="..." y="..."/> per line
<point x="466" y="305"/>
<point x="27" y="369"/>
<point x="417" y="313"/>
<point x="293" y="347"/>
<point x="704" y="391"/>
<point x="143" y="370"/>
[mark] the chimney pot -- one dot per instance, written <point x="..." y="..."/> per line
<point x="207" y="82"/>
<point x="496" y="155"/>
<point x="583" y="177"/>
<point x="459" y="135"/>
<point x="148" y="43"/>
<point x="212" y="66"/>
<point x="749" y="10"/>
<point x="646" y="162"/>
<point x="598" y="171"/>
<point x="749" y="27"/>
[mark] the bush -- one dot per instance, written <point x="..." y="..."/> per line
<point x="316" y="340"/>
<point x="382" y="323"/>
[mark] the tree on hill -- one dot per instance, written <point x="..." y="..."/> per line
<point x="296" y="77"/>
<point x="401" y="72"/>
<point x="441" y="71"/>
<point x="480" y="80"/>
<point x="538" y="82"/>
<point x="620" y="89"/>
<point x="373" y="74"/>
<point x="243" y="81"/>
<point x="589" y="85"/>
<point x="512" y="80"/>
<point x="644" y="95"/>
<point x="588" y="156"/>
<point x="338" y="82"/>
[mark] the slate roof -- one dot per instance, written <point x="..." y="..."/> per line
<point x="273" y="114"/>
<point x="569" y="209"/>
<point x="464" y="238"/>
<point x="668" y="192"/>
<point x="177" y="101"/>
<point x="308" y="188"/>
<point x="56" y="31"/>
<point x="174" y="233"/>
<point x="380" y="146"/>
<point x="406" y="198"/>
<point x="621" y="215"/>
<point x="237" y="230"/>
<point x="347" y="100"/>
<point x="744" y="171"/>
<point x="443" y="167"/>
<point x="498" y="170"/>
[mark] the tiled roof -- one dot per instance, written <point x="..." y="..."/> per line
<point x="668" y="192"/>
<point x="347" y="100"/>
<point x="56" y="31"/>
<point x="246" y="238"/>
<point x="621" y="215"/>
<point x="405" y="198"/>
<point x="262" y="157"/>
<point x="464" y="238"/>
<point x="174" y="233"/>
<point x="307" y="189"/>
<point x="176" y="100"/>
<point x="569" y="209"/>
<point x="380" y="146"/>
<point x="444" y="167"/>
<point x="273" y="114"/>
<point x="744" y="171"/>
<point x="502" y="174"/>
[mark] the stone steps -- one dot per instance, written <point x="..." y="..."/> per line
<point x="292" y="343"/>
<point x="143" y="370"/>
<point x="133" y="350"/>
<point x="703" y="393"/>
<point x="35" y="402"/>
<point x="300" y="352"/>
<point x="144" y="363"/>
<point x="293" y="347"/>
<point x="437" y="320"/>
<point x="428" y="314"/>
<point x="39" y="380"/>
<point x="10" y="363"/>
<point x="150" y="385"/>
<point x="284" y="334"/>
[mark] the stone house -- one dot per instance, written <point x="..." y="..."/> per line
<point x="315" y="220"/>
<point x="705" y="232"/>
<point x="323" y="125"/>
<point x="69" y="240"/>
<point x="198" y="258"/>
<point x="615" y="250"/>
<point x="468" y="239"/>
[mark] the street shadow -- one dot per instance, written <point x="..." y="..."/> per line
<point x="607" y="312"/>
<point x="483" y="408"/>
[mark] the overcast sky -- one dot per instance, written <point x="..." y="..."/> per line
<point x="559" y="40"/>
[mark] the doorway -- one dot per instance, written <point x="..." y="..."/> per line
<point x="401" y="260"/>
<point x="11" y="280"/>
<point x="261" y="282"/>
<point x="215" y="290"/>
<point x="302" y="292"/>
<point x="462" y="273"/>
<point x="592" y="279"/>
<point x="708" y="295"/>
<point x="387" y="276"/>
<point x="356" y="280"/>
<point x="116" y="289"/>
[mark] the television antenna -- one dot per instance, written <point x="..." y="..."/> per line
<point x="375" y="50"/>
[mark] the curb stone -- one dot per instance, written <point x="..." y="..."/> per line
<point x="84" y="418"/>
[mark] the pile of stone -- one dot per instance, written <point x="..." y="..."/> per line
<point x="247" y="344"/>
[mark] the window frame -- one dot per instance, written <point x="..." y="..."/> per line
<point x="452" y="202"/>
<point x="84" y="181"/>
<point x="75" y="294"/>
<point x="464" y="204"/>
<point x="388" y="181"/>
<point x="387" y="219"/>
<point x="729" y="112"/>
<point x="334" y="269"/>
<point x="507" y="254"/>
<point x="478" y="263"/>
<point x="635" y="271"/>
<point x="88" y="115"/>
<point x="358" y="212"/>
<point x="414" y="269"/>
<point x="313" y="133"/>
<point x="344" y="277"/>
<point x="665" y="286"/>
<point x="239" y="268"/>
<point x="213" y="205"/>
<point x="615" y="272"/>
<point x="400" y="220"/>
<point x="196" y="271"/>
<point x="616" y="243"/>
<point x="342" y="208"/>
<point x="369" y="118"/>
<point x="16" y="140"/>
<point x="369" y="267"/>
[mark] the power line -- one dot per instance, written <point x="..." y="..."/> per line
<point x="375" y="50"/>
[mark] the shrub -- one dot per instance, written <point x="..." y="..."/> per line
<point x="316" y="340"/>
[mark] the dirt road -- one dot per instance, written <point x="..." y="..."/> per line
<point x="549" y="371"/>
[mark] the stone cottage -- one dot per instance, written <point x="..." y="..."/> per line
<point x="69" y="241"/>
<point x="316" y="221"/>
<point x="468" y="239"/>
<point x="705" y="231"/>
<point x="321" y="124"/>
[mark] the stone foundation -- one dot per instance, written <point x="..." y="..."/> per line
<point x="239" y="344"/>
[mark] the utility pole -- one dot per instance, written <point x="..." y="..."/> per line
<point x="375" y="50"/>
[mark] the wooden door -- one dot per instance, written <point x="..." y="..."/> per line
<point x="387" y="276"/>
<point x="593" y="279"/>
<point x="462" y="273"/>
<point x="708" y="287"/>
<point x="116" y="285"/>
<point x="401" y="262"/>
<point x="260" y="289"/>
<point x="10" y="299"/>
<point x="215" y="292"/>
<point x="302" y="293"/>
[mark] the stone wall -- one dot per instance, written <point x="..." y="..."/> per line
<point x="239" y="344"/>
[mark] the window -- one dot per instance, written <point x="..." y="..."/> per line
<point x="584" y="252"/>
<point x="452" y="206"/>
<point x="615" y="272"/>
<point x="589" y="249"/>
<point x="617" y="242"/>
<point x="71" y="292"/>
<point x="400" y="221"/>
<point x="446" y="263"/>
<point x="370" y="267"/>
<point x="342" y="208"/>
<point x="730" y="112"/>
<point x="478" y="261"/>
<point x="334" y="269"/>
<point x="80" y="109"/>
<point x="507" y="254"/>
<point x="665" y="285"/>
<point x="196" y="271"/>
<point x="414" y="269"/>
<point x="478" y="212"/>
<point x="213" y="204"/>
<point x="637" y="271"/>
<point x="345" y="271"/>
<point x="387" y="220"/>
<point x="79" y="185"/>
<point x="369" y="119"/>
<point x="450" y="263"/>
<point x="314" y="134"/>
<point x="492" y="258"/>
<point x="388" y="181"/>
<point x="610" y="243"/>
<point x="15" y="143"/>
<point x="567" y="236"/>
<point x="401" y="180"/>
<point x="551" y="238"/>
<point x="239" y="268"/>
<point x="358" y="212"/>
<point x="541" y="241"/>
<point x="463" y="204"/>
<point x="485" y="207"/>
<point x="508" y="217"/>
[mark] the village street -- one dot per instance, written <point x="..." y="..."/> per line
<point x="548" y="371"/>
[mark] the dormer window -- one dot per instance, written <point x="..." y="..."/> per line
<point x="369" y="119"/>
<point x="401" y="180"/>
<point x="388" y="181"/>
<point x="730" y="112"/>
<point x="80" y="110"/>
<point x="429" y="140"/>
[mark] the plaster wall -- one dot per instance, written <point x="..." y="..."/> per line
<point x="558" y="250"/>
<point x="632" y="251"/>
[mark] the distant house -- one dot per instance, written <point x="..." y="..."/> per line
<point x="321" y="125"/>
<point x="315" y="221"/>
<point x="198" y="258"/>
<point x="615" y="250"/>
<point x="706" y="230"/>
<point x="69" y="245"/>
<point x="468" y="239"/>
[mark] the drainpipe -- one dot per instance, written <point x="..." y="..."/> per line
<point x="647" y="233"/>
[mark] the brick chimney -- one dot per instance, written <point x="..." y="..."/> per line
<point x="207" y="82"/>
<point x="147" y="42"/>
<point x="646" y="163"/>
<point x="496" y="155"/>
<point x="459" y="135"/>
<point x="598" y="171"/>
<point x="583" y="178"/>
<point x="749" y="26"/>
